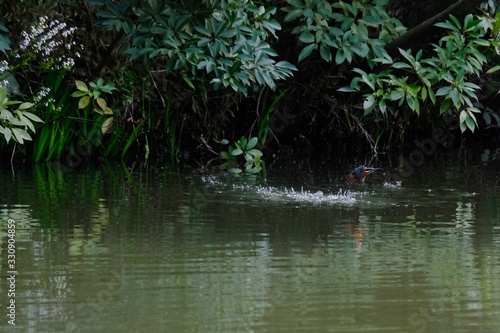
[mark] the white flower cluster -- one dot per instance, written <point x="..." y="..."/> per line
<point x="47" y="39"/>
<point x="4" y="66"/>
<point x="42" y="95"/>
<point x="44" y="92"/>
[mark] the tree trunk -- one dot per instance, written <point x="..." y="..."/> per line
<point x="426" y="29"/>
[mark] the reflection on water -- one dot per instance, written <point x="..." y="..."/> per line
<point x="108" y="251"/>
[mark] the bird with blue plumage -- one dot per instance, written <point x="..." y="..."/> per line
<point x="360" y="173"/>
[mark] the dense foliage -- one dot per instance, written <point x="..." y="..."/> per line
<point x="145" y="77"/>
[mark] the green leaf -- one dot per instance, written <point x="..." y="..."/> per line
<point x="400" y="65"/>
<point x="102" y="103"/>
<point x="369" y="103"/>
<point x="494" y="68"/>
<point x="432" y="96"/>
<point x="306" y="37"/>
<point x="443" y="91"/>
<point x="7" y="133"/>
<point x="472" y="85"/>
<point x="3" y="95"/>
<point x="496" y="24"/>
<point x="469" y="121"/>
<point x="253" y="141"/>
<point x="487" y="119"/>
<point x="188" y="81"/>
<point x="455" y="97"/>
<point x="339" y="57"/>
<point x="242" y="143"/>
<point x="293" y="14"/>
<point x="423" y="94"/>
<point x="414" y="104"/>
<point x="325" y="53"/>
<point x="463" y="127"/>
<point x="25" y="106"/>
<point x="445" y="25"/>
<point x="32" y="116"/>
<point x="225" y="155"/>
<point x="396" y="95"/>
<point x="286" y="65"/>
<point x="456" y="21"/>
<point x="382" y="106"/>
<point x="80" y="85"/>
<point x="255" y="152"/>
<point x="84" y="102"/>
<point x="20" y="135"/>
<point x="306" y="51"/>
<point x="106" y="125"/>
<point x="235" y="170"/>
<point x="224" y="142"/>
<point x="201" y="29"/>
<point x="445" y="106"/>
<point x="237" y="152"/>
<point x="5" y="114"/>
<point x="463" y="116"/>
<point x="108" y="88"/>
<point x="254" y="170"/>
<point x="347" y="89"/>
<point x="366" y="79"/>
<point x="482" y="42"/>
<point x="407" y="55"/>
<point x="348" y="54"/>
<point x="26" y="121"/>
<point x="79" y="93"/>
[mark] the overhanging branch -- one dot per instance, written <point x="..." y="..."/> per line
<point x="424" y="30"/>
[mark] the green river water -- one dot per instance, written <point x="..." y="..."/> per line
<point x="301" y="250"/>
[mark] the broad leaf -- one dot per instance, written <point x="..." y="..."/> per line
<point x="32" y="116"/>
<point x="306" y="51"/>
<point x="237" y="152"/>
<point x="306" y="37"/>
<point x="255" y="152"/>
<point x="7" y="133"/>
<point x="102" y="103"/>
<point x="106" y="125"/>
<point x="80" y="85"/>
<point x="253" y="141"/>
<point x="25" y="106"/>
<point x="79" y="93"/>
<point x="84" y="102"/>
<point x="325" y="53"/>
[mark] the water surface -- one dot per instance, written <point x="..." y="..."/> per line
<point x="301" y="250"/>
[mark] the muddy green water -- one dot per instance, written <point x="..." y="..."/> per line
<point x="299" y="251"/>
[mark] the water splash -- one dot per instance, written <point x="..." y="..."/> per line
<point x="288" y="194"/>
<point x="317" y="197"/>
<point x="211" y="180"/>
<point x="396" y="184"/>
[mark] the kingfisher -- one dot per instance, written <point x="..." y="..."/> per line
<point x="361" y="172"/>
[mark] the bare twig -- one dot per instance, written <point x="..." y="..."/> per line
<point x="204" y="142"/>
<point x="368" y="137"/>
<point x="12" y="158"/>
<point x="256" y="111"/>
